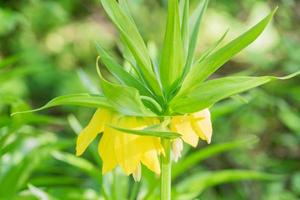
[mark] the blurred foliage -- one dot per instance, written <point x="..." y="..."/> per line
<point x="47" y="49"/>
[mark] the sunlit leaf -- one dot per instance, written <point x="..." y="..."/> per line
<point x="184" y="16"/>
<point x="119" y="72"/>
<point x="199" y="12"/>
<point x="133" y="41"/>
<point x="204" y="69"/>
<point x="124" y="99"/>
<point x="208" y="93"/>
<point x="171" y="63"/>
<point x="212" y="48"/>
<point x="85" y="100"/>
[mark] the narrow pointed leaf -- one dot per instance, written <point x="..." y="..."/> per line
<point x="210" y="50"/>
<point x="171" y="63"/>
<point x="204" y="69"/>
<point x="119" y="72"/>
<point x="125" y="7"/>
<point x="132" y="40"/>
<point x="208" y="93"/>
<point x="185" y="7"/>
<point x="124" y="99"/>
<point x="194" y="34"/>
<point x="86" y="100"/>
<point x="126" y="78"/>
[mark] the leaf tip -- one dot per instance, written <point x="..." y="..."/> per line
<point x="23" y="112"/>
<point x="275" y="9"/>
<point x="289" y="76"/>
<point x="271" y="15"/>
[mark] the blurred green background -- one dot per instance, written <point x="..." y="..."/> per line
<point x="47" y="49"/>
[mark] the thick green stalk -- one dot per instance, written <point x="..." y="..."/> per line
<point x="166" y="164"/>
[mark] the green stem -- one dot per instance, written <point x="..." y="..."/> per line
<point x="166" y="164"/>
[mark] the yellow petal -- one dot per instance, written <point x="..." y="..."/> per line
<point x="95" y="126"/>
<point x="132" y="149"/>
<point x="151" y="161"/>
<point x="129" y="150"/>
<point x="127" y="146"/>
<point x="182" y="125"/>
<point x="106" y="149"/>
<point x="201" y="123"/>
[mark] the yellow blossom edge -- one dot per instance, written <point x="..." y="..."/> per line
<point x="193" y="126"/>
<point x="118" y="148"/>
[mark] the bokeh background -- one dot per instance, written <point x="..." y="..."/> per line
<point x="47" y="49"/>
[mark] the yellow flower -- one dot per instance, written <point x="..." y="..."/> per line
<point x="193" y="126"/>
<point x="129" y="151"/>
<point x="119" y="148"/>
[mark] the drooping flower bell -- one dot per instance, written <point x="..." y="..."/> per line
<point x="191" y="127"/>
<point x="117" y="148"/>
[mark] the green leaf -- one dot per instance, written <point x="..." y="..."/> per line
<point x="195" y="184"/>
<point x="185" y="8"/>
<point x="195" y="158"/>
<point x="204" y="69"/>
<point x="208" y="93"/>
<point x="212" y="48"/>
<point x="39" y="193"/>
<point x="124" y="99"/>
<point x="132" y="40"/>
<point x="86" y="100"/>
<point x="171" y="63"/>
<point x="80" y="163"/>
<point x="118" y="71"/>
<point x="149" y="132"/>
<point x="199" y="12"/>
<point x="125" y="7"/>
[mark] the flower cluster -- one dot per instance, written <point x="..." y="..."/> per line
<point x="130" y="151"/>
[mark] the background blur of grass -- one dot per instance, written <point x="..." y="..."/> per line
<point x="47" y="49"/>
